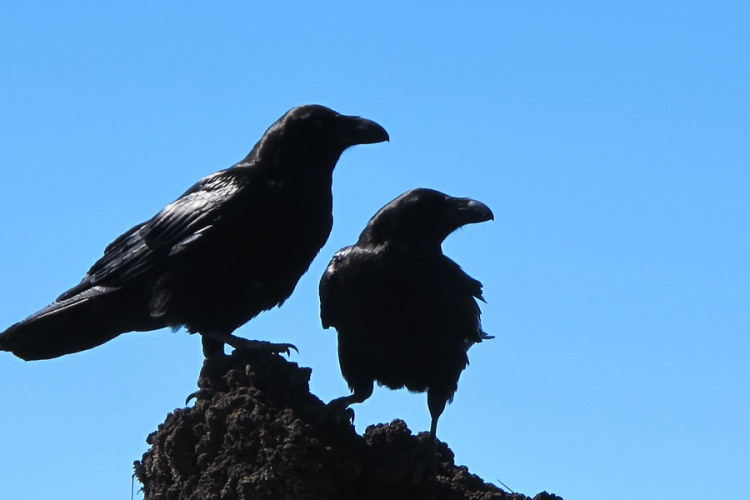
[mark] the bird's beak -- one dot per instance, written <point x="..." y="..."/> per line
<point x="468" y="211"/>
<point x="352" y="130"/>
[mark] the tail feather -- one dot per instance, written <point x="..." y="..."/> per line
<point x="79" y="323"/>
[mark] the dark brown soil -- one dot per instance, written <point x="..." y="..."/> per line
<point x="256" y="432"/>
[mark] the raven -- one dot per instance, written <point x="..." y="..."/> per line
<point x="233" y="245"/>
<point x="405" y="313"/>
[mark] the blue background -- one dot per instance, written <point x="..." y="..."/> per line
<point x="611" y="139"/>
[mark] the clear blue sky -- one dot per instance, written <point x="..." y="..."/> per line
<point x="612" y="141"/>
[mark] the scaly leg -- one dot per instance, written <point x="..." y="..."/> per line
<point x="427" y="462"/>
<point x="360" y="393"/>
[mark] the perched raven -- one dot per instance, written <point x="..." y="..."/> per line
<point x="405" y="313"/>
<point x="233" y="245"/>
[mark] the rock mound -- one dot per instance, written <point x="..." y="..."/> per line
<point x="256" y="432"/>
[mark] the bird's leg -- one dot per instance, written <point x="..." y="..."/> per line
<point x="427" y="460"/>
<point x="213" y="351"/>
<point x="211" y="347"/>
<point x="432" y="450"/>
<point x="361" y="392"/>
<point x="240" y="343"/>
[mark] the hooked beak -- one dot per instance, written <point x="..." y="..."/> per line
<point x="352" y="130"/>
<point x="468" y="211"/>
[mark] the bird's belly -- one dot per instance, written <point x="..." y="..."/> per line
<point x="405" y="350"/>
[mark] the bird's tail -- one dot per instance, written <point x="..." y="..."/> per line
<point x="81" y="322"/>
<point x="482" y="335"/>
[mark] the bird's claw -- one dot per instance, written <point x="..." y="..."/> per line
<point x="198" y="395"/>
<point x="347" y="414"/>
<point x="338" y="413"/>
<point x="191" y="396"/>
<point x="262" y="345"/>
<point x="287" y="348"/>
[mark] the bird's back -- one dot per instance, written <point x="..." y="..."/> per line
<point x="251" y="262"/>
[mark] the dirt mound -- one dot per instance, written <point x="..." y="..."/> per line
<point x="256" y="432"/>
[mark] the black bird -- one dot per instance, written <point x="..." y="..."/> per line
<point x="405" y="313"/>
<point x="233" y="245"/>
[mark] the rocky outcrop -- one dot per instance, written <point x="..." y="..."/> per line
<point x="256" y="432"/>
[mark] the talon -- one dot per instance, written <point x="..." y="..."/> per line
<point x="285" y="349"/>
<point x="348" y="415"/>
<point x="262" y="345"/>
<point x="278" y="348"/>
<point x="338" y="411"/>
<point x="197" y="395"/>
<point x="239" y="343"/>
<point x="191" y="396"/>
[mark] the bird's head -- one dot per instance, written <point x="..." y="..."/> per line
<point x="313" y="133"/>
<point x="423" y="217"/>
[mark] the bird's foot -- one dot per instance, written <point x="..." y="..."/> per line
<point x="337" y="411"/>
<point x="425" y="463"/>
<point x="199" y="394"/>
<point x="213" y="343"/>
<point x="262" y="345"/>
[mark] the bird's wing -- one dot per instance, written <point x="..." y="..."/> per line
<point x="147" y="247"/>
<point x="461" y="293"/>
<point x="471" y="309"/>
<point x="328" y="289"/>
<point x="332" y="287"/>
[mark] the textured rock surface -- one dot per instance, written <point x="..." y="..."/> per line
<point x="256" y="432"/>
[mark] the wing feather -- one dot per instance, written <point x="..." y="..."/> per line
<point x="143" y="250"/>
